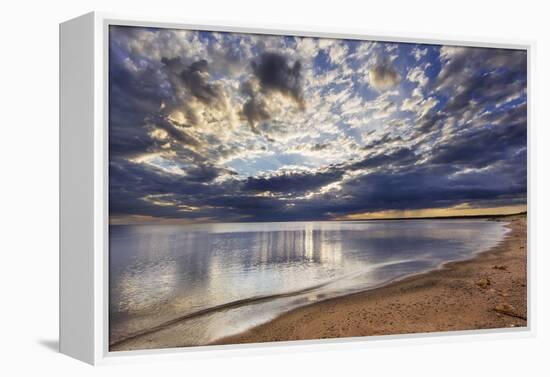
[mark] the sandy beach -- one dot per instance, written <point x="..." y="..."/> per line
<point x="488" y="291"/>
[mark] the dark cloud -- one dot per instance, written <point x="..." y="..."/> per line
<point x="392" y="158"/>
<point x="429" y="122"/>
<point x="133" y="96"/>
<point x="485" y="88"/>
<point x="317" y="147"/>
<point x="276" y="73"/>
<point x="132" y="183"/>
<point x="195" y="79"/>
<point x="255" y="109"/>
<point x="383" y="75"/>
<point x="477" y="77"/>
<point x="273" y="74"/>
<point x="189" y="82"/>
<point x="292" y="182"/>
<point x="460" y="61"/>
<point x="205" y="173"/>
<point x="483" y="146"/>
<point x="385" y="139"/>
<point x="174" y="130"/>
<point x="394" y="182"/>
<point x="422" y="187"/>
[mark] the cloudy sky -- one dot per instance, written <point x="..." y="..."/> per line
<point x="208" y="127"/>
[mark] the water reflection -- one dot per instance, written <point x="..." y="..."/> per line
<point x="161" y="273"/>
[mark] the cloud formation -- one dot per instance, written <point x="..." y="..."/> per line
<point x="275" y="73"/>
<point x="211" y="126"/>
<point x="384" y="76"/>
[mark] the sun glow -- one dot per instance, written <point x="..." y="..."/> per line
<point x="460" y="210"/>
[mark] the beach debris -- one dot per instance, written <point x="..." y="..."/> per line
<point x="500" y="267"/>
<point x="509" y="310"/>
<point x="484" y="283"/>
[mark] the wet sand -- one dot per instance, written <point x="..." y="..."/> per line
<point x="486" y="292"/>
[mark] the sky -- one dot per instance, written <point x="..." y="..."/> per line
<point x="227" y="127"/>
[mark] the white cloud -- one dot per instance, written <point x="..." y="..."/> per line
<point x="419" y="53"/>
<point x="337" y="52"/>
<point x="307" y="48"/>
<point x="417" y="75"/>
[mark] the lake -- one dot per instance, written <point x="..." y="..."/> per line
<point x="198" y="283"/>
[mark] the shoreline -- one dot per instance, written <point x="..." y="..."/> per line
<point x="487" y="291"/>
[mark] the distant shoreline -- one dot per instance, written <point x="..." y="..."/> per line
<point x="461" y="217"/>
<point x="457" y="217"/>
<point x="485" y="292"/>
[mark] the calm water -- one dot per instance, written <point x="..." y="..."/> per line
<point x="213" y="280"/>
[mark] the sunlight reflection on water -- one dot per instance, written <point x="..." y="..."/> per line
<point x="160" y="273"/>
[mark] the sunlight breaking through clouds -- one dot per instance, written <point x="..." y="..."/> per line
<point x="226" y="126"/>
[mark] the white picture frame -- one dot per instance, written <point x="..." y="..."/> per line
<point x="84" y="193"/>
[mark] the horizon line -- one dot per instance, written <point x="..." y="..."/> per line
<point x="474" y="216"/>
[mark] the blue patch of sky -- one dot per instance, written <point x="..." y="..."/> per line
<point x="265" y="164"/>
<point x="321" y="63"/>
<point x="432" y="57"/>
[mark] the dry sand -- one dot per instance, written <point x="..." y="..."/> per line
<point x="489" y="291"/>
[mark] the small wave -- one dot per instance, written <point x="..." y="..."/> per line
<point x="225" y="306"/>
<point x="256" y="300"/>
